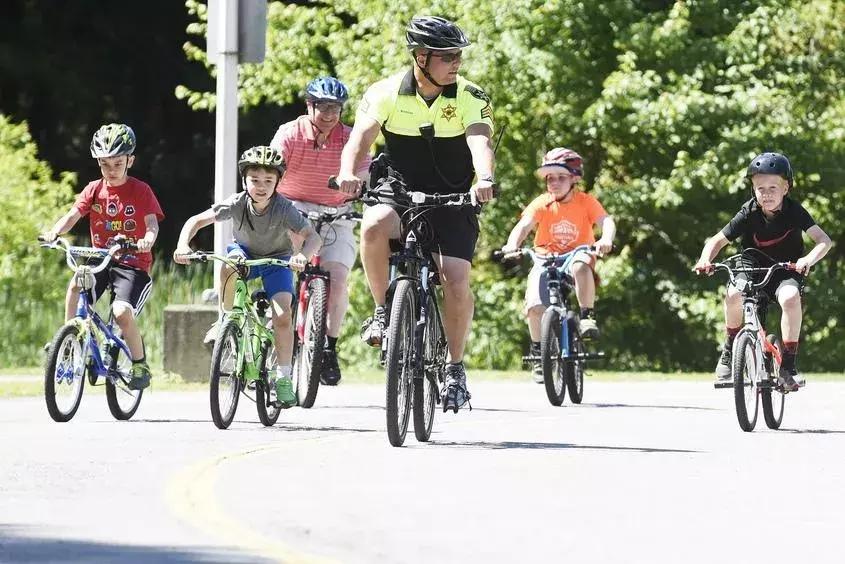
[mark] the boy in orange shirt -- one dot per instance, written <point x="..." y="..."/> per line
<point x="564" y="218"/>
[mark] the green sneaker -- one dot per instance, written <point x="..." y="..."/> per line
<point x="139" y="376"/>
<point x="284" y="392"/>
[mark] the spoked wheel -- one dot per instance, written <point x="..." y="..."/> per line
<point x="773" y="399"/>
<point x="553" y="367"/>
<point x="574" y="369"/>
<point x="64" y="375"/>
<point x="400" y="349"/>
<point x="425" y="388"/>
<point x="309" y="353"/>
<point x="225" y="384"/>
<point x="267" y="413"/>
<point x="123" y="402"/>
<point x="745" y="372"/>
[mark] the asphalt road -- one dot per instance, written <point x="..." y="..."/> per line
<point x="641" y="472"/>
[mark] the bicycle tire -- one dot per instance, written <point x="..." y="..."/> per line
<point x="554" y="378"/>
<point x="574" y="369"/>
<point x="57" y="358"/>
<point x="224" y="365"/>
<point x="774" y="401"/>
<point x="744" y="372"/>
<point x="400" y="349"/>
<point x="425" y="388"/>
<point x="117" y="387"/>
<point x="267" y="414"/>
<point x="309" y="361"/>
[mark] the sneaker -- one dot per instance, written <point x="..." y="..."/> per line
<point x="537" y="371"/>
<point x="284" y="392"/>
<point x="454" y="392"/>
<point x="723" y="368"/>
<point x="588" y="328"/>
<point x="330" y="373"/>
<point x="372" y="330"/>
<point x="789" y="378"/>
<point x="139" y="376"/>
<point x="211" y="334"/>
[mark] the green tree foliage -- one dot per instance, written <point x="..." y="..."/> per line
<point x="667" y="101"/>
<point x="27" y="277"/>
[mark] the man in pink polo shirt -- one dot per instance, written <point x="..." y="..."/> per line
<point x="311" y="145"/>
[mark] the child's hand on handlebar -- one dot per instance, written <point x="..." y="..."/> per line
<point x="298" y="262"/>
<point x="603" y="246"/>
<point x="703" y="266"/>
<point x="144" y="245"/>
<point x="802" y="266"/>
<point x="180" y="255"/>
<point x="48" y="236"/>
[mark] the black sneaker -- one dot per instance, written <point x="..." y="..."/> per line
<point x="372" y="330"/>
<point x="330" y="373"/>
<point x="536" y="365"/>
<point x="723" y="368"/>
<point x="454" y="393"/>
<point x="790" y="379"/>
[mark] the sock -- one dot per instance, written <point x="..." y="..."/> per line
<point x="790" y="353"/>
<point x="535" y="347"/>
<point x="140" y="360"/>
<point x="331" y="342"/>
<point x="730" y="334"/>
<point x="587" y="312"/>
<point x="283" y="371"/>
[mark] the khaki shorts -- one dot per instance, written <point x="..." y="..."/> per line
<point x="537" y="290"/>
<point x="339" y="242"/>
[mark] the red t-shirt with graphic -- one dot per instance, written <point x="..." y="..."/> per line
<point x="117" y="210"/>
<point x="563" y="226"/>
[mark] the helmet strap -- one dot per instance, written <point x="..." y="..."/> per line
<point x="424" y="69"/>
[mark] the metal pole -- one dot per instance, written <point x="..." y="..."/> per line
<point x="226" y="131"/>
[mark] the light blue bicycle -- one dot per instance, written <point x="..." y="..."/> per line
<point x="87" y="344"/>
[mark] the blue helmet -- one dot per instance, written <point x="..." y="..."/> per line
<point x="326" y="89"/>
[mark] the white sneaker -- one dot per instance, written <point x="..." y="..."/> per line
<point x="211" y="335"/>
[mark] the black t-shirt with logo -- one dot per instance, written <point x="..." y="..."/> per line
<point x="780" y="237"/>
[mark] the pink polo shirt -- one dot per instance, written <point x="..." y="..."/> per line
<point x="309" y="167"/>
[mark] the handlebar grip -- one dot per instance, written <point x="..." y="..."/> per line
<point x="497" y="255"/>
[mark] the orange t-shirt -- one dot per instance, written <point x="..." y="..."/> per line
<point x="562" y="227"/>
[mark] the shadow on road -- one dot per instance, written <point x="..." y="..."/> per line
<point x="17" y="546"/>
<point x="812" y="431"/>
<point x="641" y="406"/>
<point x="519" y="445"/>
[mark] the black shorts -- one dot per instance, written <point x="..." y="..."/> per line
<point x="126" y="284"/>
<point x="449" y="231"/>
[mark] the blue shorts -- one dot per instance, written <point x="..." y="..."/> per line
<point x="275" y="278"/>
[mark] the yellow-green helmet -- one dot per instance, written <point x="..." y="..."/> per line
<point x="263" y="156"/>
<point x="113" y="140"/>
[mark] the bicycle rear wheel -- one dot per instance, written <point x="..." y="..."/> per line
<point x="309" y="353"/>
<point x="224" y="383"/>
<point x="64" y="374"/>
<point x="574" y="369"/>
<point x="268" y="414"/>
<point x="745" y="373"/>
<point x="123" y="401"/>
<point x="553" y="367"/>
<point x="425" y="388"/>
<point x="400" y="351"/>
<point x="773" y="400"/>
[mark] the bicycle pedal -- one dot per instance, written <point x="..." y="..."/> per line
<point x="723" y="385"/>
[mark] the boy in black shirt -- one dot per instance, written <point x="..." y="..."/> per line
<point x="773" y="224"/>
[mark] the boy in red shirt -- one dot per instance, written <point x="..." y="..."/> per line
<point x="118" y="204"/>
<point x="564" y="218"/>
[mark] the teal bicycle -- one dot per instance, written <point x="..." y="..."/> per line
<point x="244" y="353"/>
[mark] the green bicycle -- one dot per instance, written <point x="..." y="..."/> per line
<point x="244" y="352"/>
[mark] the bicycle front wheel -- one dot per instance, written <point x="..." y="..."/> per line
<point x="268" y="413"/>
<point x="309" y="354"/>
<point x="64" y="374"/>
<point x="745" y="372"/>
<point x="400" y="351"/>
<point x="224" y="382"/>
<point x="425" y="388"/>
<point x="553" y="367"/>
<point x="123" y="401"/>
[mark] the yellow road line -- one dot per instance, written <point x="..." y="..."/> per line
<point x="191" y="495"/>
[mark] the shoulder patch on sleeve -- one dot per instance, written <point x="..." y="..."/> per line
<point x="477" y="92"/>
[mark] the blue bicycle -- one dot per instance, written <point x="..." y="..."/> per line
<point x="88" y="345"/>
<point x="562" y="350"/>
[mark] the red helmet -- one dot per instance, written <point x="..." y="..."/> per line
<point x="560" y="157"/>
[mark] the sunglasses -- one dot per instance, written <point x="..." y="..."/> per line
<point x="328" y="107"/>
<point x="448" y="57"/>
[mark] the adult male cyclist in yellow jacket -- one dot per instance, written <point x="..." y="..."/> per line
<point x="437" y="128"/>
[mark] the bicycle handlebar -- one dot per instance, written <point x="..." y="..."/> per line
<point x="501" y="256"/>
<point x="72" y="252"/>
<point x="753" y="285"/>
<point x="235" y="261"/>
<point x="397" y="192"/>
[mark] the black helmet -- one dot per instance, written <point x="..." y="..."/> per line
<point x="437" y="34"/>
<point x="113" y="140"/>
<point x="770" y="163"/>
<point x="261" y="156"/>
